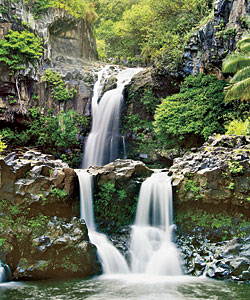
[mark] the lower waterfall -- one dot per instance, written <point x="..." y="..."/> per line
<point x="5" y="273"/>
<point x="111" y="259"/>
<point x="152" y="249"/>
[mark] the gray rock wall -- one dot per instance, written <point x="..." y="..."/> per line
<point x="210" y="44"/>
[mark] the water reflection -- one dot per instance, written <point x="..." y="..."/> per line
<point x="127" y="288"/>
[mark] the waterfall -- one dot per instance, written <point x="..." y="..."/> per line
<point x="152" y="249"/>
<point x="102" y="145"/>
<point x="5" y="273"/>
<point x="124" y="147"/>
<point x="111" y="259"/>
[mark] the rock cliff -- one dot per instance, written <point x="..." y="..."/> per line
<point x="216" y="176"/>
<point x="69" y="48"/>
<point x="210" y="44"/>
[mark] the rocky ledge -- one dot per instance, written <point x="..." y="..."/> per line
<point x="216" y="176"/>
<point x="117" y="186"/>
<point x="43" y="249"/>
<point x="220" y="260"/>
<point x="37" y="182"/>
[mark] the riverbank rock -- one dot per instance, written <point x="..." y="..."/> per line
<point x="116" y="189"/>
<point x="222" y="260"/>
<point x="37" y="182"/>
<point x="52" y="249"/>
<point x="215" y="176"/>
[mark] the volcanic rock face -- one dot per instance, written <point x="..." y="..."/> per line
<point x="62" y="251"/>
<point x="37" y="181"/>
<point x="36" y="203"/>
<point x="221" y="260"/>
<point x="218" y="174"/>
<point x="117" y="186"/>
<point x="211" y="43"/>
<point x="69" y="48"/>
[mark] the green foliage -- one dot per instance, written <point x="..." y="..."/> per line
<point x="113" y="207"/>
<point x="2" y="144"/>
<point x="193" y="187"/>
<point x="3" y="9"/>
<point x="190" y="218"/>
<point x="150" y="28"/>
<point x="231" y="186"/>
<point x="37" y="224"/>
<point x="238" y="63"/>
<point x="59" y="90"/>
<point x="58" y="193"/>
<point x="53" y="134"/>
<point x="197" y="109"/>
<point x="141" y="124"/>
<point x="235" y="168"/>
<point x="238" y="127"/>
<point x="20" y="48"/>
<point x="77" y="8"/>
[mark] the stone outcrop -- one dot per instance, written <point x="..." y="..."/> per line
<point x="117" y="186"/>
<point x="220" y="260"/>
<point x="210" y="44"/>
<point x="216" y="175"/>
<point x="37" y="181"/>
<point x="69" y="48"/>
<point x="60" y="250"/>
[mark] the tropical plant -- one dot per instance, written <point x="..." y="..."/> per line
<point x="195" y="113"/>
<point x="238" y="127"/>
<point x="238" y="64"/>
<point x="2" y="144"/>
<point x="20" y="48"/>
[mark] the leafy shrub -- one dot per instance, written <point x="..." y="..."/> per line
<point x="198" y="109"/>
<point x="113" y="207"/>
<point x="2" y="144"/>
<point x="58" y="193"/>
<point x="59" y="90"/>
<point x="209" y="222"/>
<point x="20" y="48"/>
<point x="238" y="127"/>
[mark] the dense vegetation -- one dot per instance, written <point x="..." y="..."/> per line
<point x="146" y="28"/>
<point x="113" y="207"/>
<point x="54" y="134"/>
<point x="20" y="48"/>
<point x="198" y="110"/>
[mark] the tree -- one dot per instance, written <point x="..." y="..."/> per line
<point x="238" y="64"/>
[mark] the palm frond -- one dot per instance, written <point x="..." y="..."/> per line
<point x="235" y="62"/>
<point x="241" y="75"/>
<point x="244" y="40"/>
<point x="245" y="47"/>
<point x="240" y="90"/>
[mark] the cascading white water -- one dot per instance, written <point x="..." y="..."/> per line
<point x="152" y="249"/>
<point x="111" y="259"/>
<point x="5" y="273"/>
<point x="103" y="141"/>
<point x="2" y="273"/>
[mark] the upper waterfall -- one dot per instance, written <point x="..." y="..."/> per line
<point x="102" y="145"/>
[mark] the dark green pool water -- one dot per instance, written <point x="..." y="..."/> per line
<point x="127" y="287"/>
